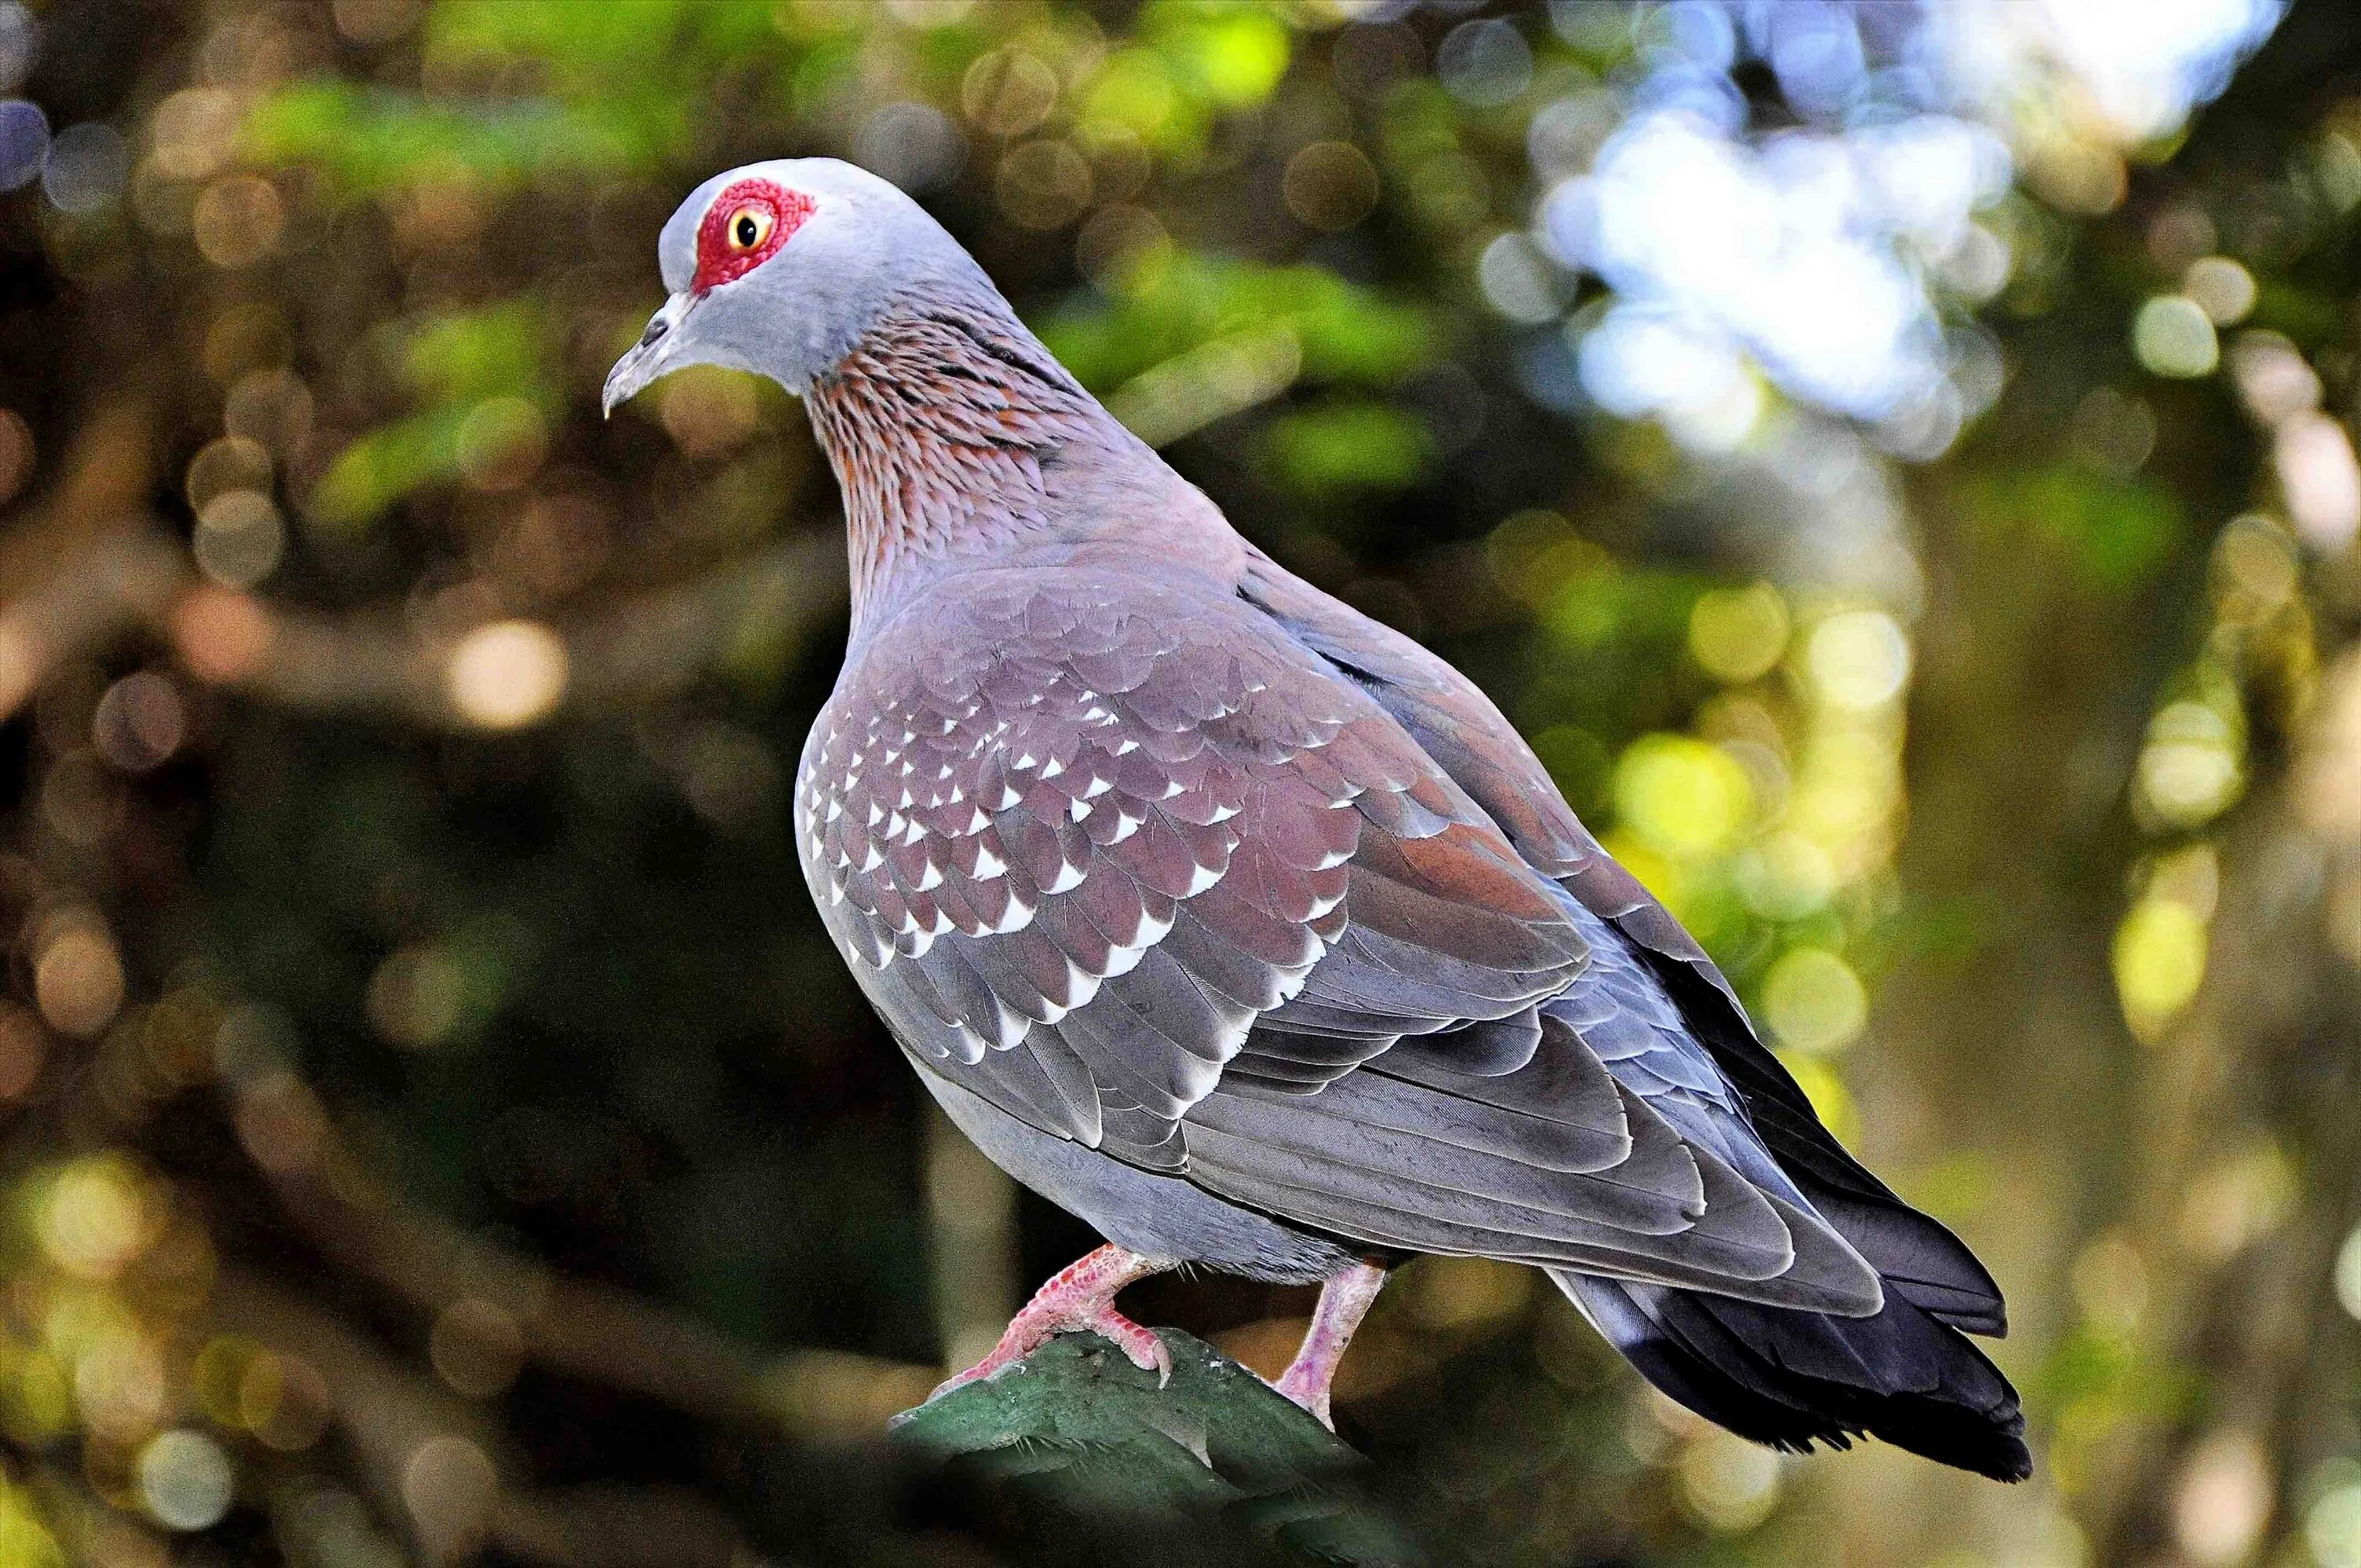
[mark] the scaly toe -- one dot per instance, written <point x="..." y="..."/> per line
<point x="1028" y="1333"/>
<point x="1142" y="1346"/>
<point x="976" y="1374"/>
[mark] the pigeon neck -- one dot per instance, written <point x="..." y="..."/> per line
<point x="959" y="441"/>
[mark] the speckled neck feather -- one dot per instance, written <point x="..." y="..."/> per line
<point x="955" y="435"/>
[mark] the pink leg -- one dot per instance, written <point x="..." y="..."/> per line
<point x="1082" y="1296"/>
<point x="1343" y="1301"/>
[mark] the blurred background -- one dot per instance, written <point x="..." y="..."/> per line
<point x="1895" y="461"/>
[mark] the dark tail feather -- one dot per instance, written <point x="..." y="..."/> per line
<point x="1791" y="1378"/>
<point x="1925" y="1264"/>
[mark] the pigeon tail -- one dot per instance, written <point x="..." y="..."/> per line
<point x="1792" y="1379"/>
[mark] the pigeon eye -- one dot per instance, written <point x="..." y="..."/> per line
<point x="744" y="227"/>
<point x="749" y="226"/>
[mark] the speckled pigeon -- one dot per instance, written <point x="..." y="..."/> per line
<point x="1242" y="925"/>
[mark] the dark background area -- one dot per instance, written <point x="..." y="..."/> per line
<point x="1895" y="463"/>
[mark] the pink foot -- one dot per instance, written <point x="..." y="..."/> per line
<point x="1343" y="1301"/>
<point x="1079" y="1297"/>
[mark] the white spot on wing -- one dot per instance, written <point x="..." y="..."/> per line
<point x="1010" y="1026"/>
<point x="1081" y="985"/>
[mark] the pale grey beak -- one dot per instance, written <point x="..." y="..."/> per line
<point x="651" y="357"/>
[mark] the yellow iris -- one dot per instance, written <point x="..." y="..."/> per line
<point x="748" y="227"/>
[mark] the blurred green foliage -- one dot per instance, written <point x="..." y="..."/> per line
<point x="429" y="1103"/>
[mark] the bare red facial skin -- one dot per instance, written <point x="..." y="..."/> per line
<point x="717" y="261"/>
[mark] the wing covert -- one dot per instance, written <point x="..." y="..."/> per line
<point x="1092" y="843"/>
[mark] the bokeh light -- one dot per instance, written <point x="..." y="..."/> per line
<point x="2221" y="288"/>
<point x="93" y="1220"/>
<point x="2322" y="481"/>
<point x="1682" y="796"/>
<point x="2348" y="1275"/>
<point x="24" y="139"/>
<point x="1739" y="635"/>
<point x="140" y="721"/>
<point x="506" y="675"/>
<point x="1729" y="1483"/>
<point x="20" y="37"/>
<point x="77" y="980"/>
<point x="2332" y="1527"/>
<point x="240" y="538"/>
<point x="1330" y="185"/>
<point x="476" y="1347"/>
<point x="83" y="169"/>
<point x="2191" y="768"/>
<point x="2173" y="336"/>
<point x="1813" y="1001"/>
<point x="2159" y="961"/>
<point x="185" y="1480"/>
<point x="1858" y="659"/>
<point x="449" y="1486"/>
<point x="417" y="996"/>
<point x="1485" y="63"/>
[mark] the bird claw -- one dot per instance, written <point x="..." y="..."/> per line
<point x="1144" y="1347"/>
<point x="1032" y="1329"/>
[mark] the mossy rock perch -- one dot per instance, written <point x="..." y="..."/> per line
<point x="1077" y="1427"/>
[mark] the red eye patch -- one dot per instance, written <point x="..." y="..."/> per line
<point x="743" y="228"/>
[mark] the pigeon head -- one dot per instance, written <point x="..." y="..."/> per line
<point x="779" y="268"/>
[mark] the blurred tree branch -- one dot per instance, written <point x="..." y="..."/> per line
<point x="618" y="657"/>
<point x="432" y="1460"/>
<point x="134" y="576"/>
<point x="603" y="1335"/>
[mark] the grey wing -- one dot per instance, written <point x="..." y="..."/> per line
<point x="1610" y="1146"/>
<point x="1147" y="874"/>
<point x="1668" y="1022"/>
<point x="1084" y="837"/>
